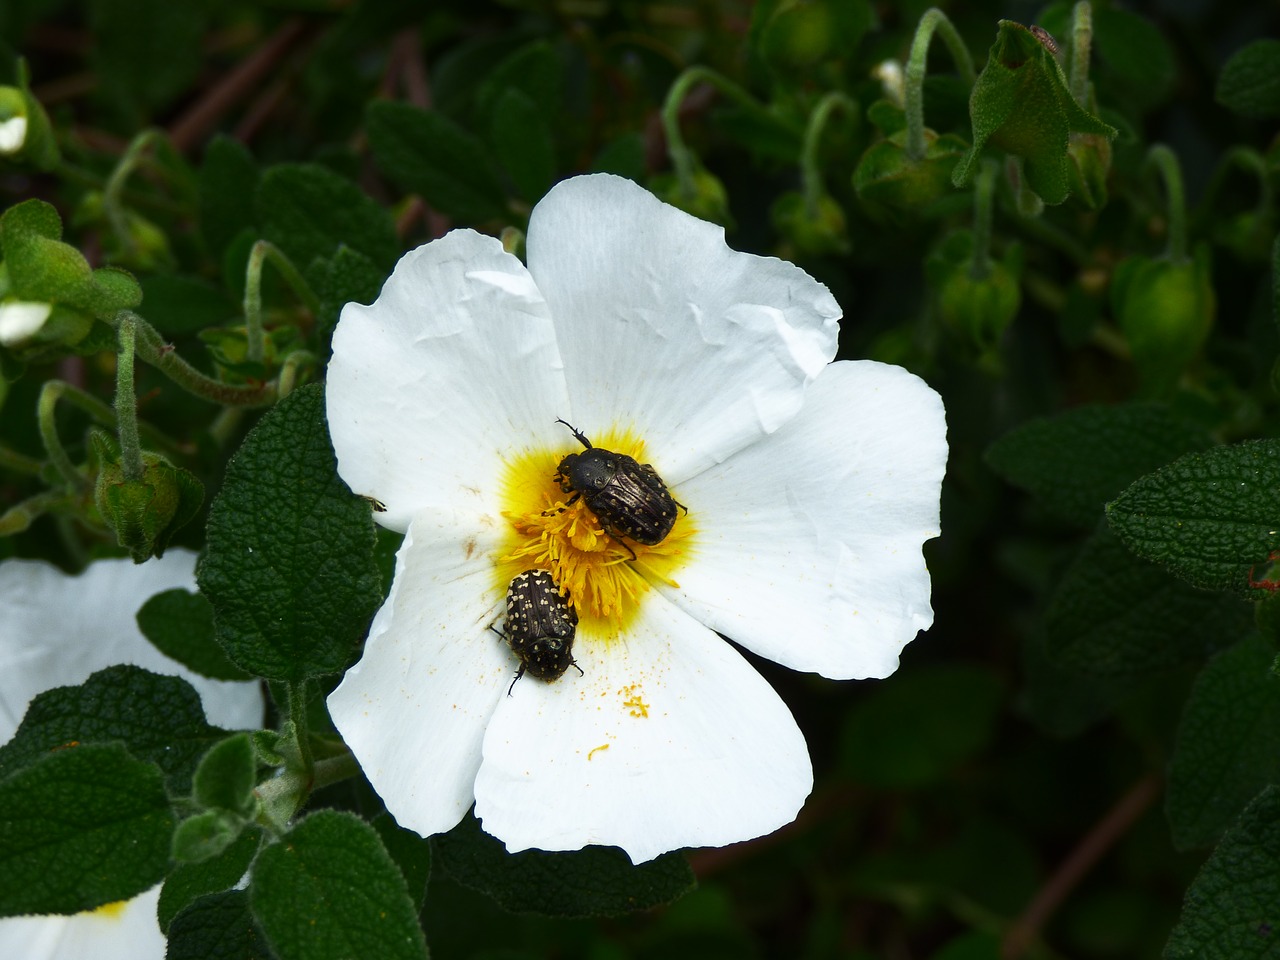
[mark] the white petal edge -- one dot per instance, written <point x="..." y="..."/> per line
<point x="56" y="630"/>
<point x="713" y="757"/>
<point x="451" y="371"/>
<point x="20" y="320"/>
<point x="130" y="934"/>
<point x="808" y="549"/>
<point x="414" y="709"/>
<point x="665" y="329"/>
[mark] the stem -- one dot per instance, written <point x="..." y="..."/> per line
<point x="291" y="369"/>
<point x="127" y="404"/>
<point x="111" y="193"/>
<point x="1166" y="161"/>
<point x="1244" y="158"/>
<point x="282" y="796"/>
<point x="810" y="171"/>
<point x="19" y="462"/>
<point x="1081" y="41"/>
<point x="21" y="515"/>
<point x="1078" y="863"/>
<point x="298" y="715"/>
<point x="266" y="252"/>
<point x="682" y="159"/>
<point x="151" y="347"/>
<point x="46" y="409"/>
<point x="933" y="20"/>
<point x="984" y="192"/>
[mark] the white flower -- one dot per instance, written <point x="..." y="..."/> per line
<point x="20" y="320"/>
<point x="56" y="630"/>
<point x="808" y="500"/>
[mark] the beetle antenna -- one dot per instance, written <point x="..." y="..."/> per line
<point x="576" y="432"/>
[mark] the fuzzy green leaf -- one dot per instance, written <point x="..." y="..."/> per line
<point x="1116" y="616"/>
<point x="308" y="211"/>
<point x="1211" y="517"/>
<point x="428" y="154"/>
<point x="330" y="891"/>
<point x="592" y="882"/>
<point x="1250" y="81"/>
<point x="522" y="138"/>
<point x="179" y="624"/>
<point x="228" y="177"/>
<point x="1228" y="745"/>
<point x="289" y="569"/>
<point x="226" y="776"/>
<point x="81" y="827"/>
<point x="1232" y="909"/>
<point x="190" y="881"/>
<point x="217" y="927"/>
<point x="158" y="718"/>
<point x="1076" y="461"/>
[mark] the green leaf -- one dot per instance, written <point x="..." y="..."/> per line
<point x="81" y="827"/>
<point x="289" y="569"/>
<point x="189" y="881"/>
<point x="308" y="211"/>
<point x="1115" y="616"/>
<point x="1232" y="908"/>
<point x="1228" y="745"/>
<point x="1133" y="55"/>
<point x="179" y="624"/>
<point x="430" y="155"/>
<point x="158" y="718"/>
<point x="204" y="836"/>
<point x="592" y="882"/>
<point x="226" y="776"/>
<point x="520" y="135"/>
<point x="1210" y="517"/>
<point x="227" y="176"/>
<point x="1250" y="80"/>
<point x="346" y="277"/>
<point x="534" y="70"/>
<point x="411" y="852"/>
<point x="1076" y="461"/>
<point x="914" y="728"/>
<point x="217" y="927"/>
<point x="330" y="891"/>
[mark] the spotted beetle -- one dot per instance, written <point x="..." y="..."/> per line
<point x="540" y="627"/>
<point x="628" y="497"/>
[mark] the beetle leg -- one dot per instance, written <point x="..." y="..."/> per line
<point x="519" y="674"/>
<point x="576" y="432"/>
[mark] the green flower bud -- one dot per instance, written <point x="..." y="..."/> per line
<point x="797" y="35"/>
<point x="1165" y="308"/>
<point x="144" y="513"/>
<point x="26" y="136"/>
<point x="707" y="198"/>
<point x="143" y="247"/>
<point x="811" y="233"/>
<point x="1090" y="156"/>
<point x="885" y="174"/>
<point x="1022" y="105"/>
<point x="976" y="301"/>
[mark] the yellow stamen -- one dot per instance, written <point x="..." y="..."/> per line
<point x="596" y="571"/>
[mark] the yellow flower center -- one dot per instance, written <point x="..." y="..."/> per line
<point x="593" y="569"/>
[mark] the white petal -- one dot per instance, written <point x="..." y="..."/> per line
<point x="808" y="550"/>
<point x="13" y="134"/>
<point x="129" y="932"/>
<point x="450" y="372"/>
<point x="21" y="319"/>
<point x="414" y="709"/>
<point x="56" y="630"/>
<point x="713" y="757"/>
<point x="663" y="328"/>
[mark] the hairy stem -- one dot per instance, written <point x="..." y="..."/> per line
<point x="934" y="20"/>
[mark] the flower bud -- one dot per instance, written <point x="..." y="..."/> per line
<point x="706" y="198"/>
<point x="980" y="308"/>
<point x="810" y="232"/>
<point x="885" y="174"/>
<point x="1021" y="104"/>
<point x="26" y="136"/>
<point x="144" y="513"/>
<point x="1090" y="155"/>
<point x="1165" y="308"/>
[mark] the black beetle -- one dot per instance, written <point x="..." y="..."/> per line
<point x="540" y="626"/>
<point x="628" y="497"/>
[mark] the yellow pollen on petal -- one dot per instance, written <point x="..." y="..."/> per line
<point x="111" y="911"/>
<point x="595" y="571"/>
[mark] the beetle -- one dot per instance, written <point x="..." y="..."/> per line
<point x="628" y="497"/>
<point x="540" y="627"/>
